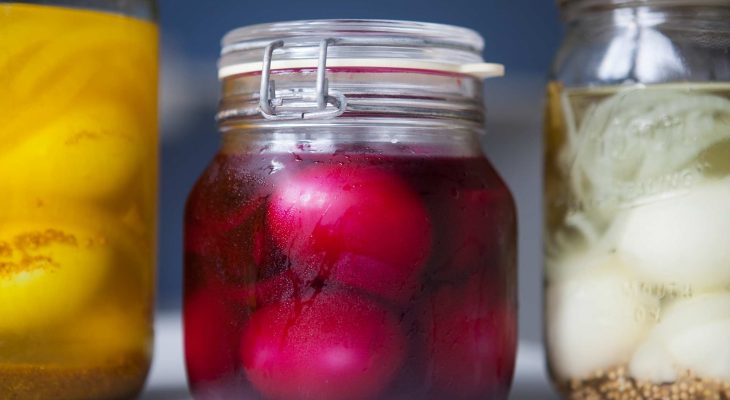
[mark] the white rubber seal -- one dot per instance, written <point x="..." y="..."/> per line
<point x="477" y="70"/>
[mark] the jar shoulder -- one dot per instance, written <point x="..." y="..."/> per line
<point x="233" y="178"/>
<point x="614" y="54"/>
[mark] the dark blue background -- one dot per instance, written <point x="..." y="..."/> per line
<point x="522" y="34"/>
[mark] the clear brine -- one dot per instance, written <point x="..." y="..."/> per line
<point x="637" y="226"/>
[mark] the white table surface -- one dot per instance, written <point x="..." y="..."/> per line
<point x="167" y="378"/>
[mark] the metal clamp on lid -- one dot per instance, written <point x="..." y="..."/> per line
<point x="273" y="107"/>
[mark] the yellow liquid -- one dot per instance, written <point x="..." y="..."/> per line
<point x="78" y="169"/>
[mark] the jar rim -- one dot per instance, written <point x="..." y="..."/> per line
<point x="357" y="42"/>
<point x="376" y="29"/>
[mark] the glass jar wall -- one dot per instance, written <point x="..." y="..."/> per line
<point x="78" y="166"/>
<point x="637" y="190"/>
<point x="364" y="252"/>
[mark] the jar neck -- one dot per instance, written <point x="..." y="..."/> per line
<point x="377" y="96"/>
<point x="692" y="15"/>
<point x="615" y="42"/>
<point x="426" y="139"/>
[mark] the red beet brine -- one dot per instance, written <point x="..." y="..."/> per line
<point x="367" y="255"/>
<point x="350" y="276"/>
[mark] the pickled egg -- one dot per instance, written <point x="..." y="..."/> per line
<point x="48" y="273"/>
<point x="470" y="341"/>
<point x="92" y="151"/>
<point x="652" y="362"/>
<point x="211" y="337"/>
<point x="584" y="306"/>
<point x="696" y="332"/>
<point x="332" y="346"/>
<point x="360" y="226"/>
<point x="682" y="239"/>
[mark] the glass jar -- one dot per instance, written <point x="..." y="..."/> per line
<point x="637" y="201"/>
<point x="78" y="166"/>
<point x="350" y="240"/>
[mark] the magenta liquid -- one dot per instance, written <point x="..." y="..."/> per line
<point x="350" y="276"/>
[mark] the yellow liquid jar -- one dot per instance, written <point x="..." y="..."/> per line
<point x="78" y="179"/>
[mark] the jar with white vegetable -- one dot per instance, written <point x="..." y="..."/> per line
<point x="637" y="201"/>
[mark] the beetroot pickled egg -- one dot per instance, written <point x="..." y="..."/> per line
<point x="470" y="341"/>
<point x="355" y="224"/>
<point x="331" y="346"/>
<point x="211" y="337"/>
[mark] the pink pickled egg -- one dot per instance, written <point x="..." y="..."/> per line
<point x="330" y="346"/>
<point x="211" y="337"/>
<point x="355" y="224"/>
<point x="471" y="342"/>
<point x="281" y="287"/>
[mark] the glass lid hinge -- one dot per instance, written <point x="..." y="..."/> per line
<point x="269" y="102"/>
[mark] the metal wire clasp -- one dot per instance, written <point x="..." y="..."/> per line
<point x="268" y="102"/>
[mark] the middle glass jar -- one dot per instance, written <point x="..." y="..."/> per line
<point x="350" y="240"/>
